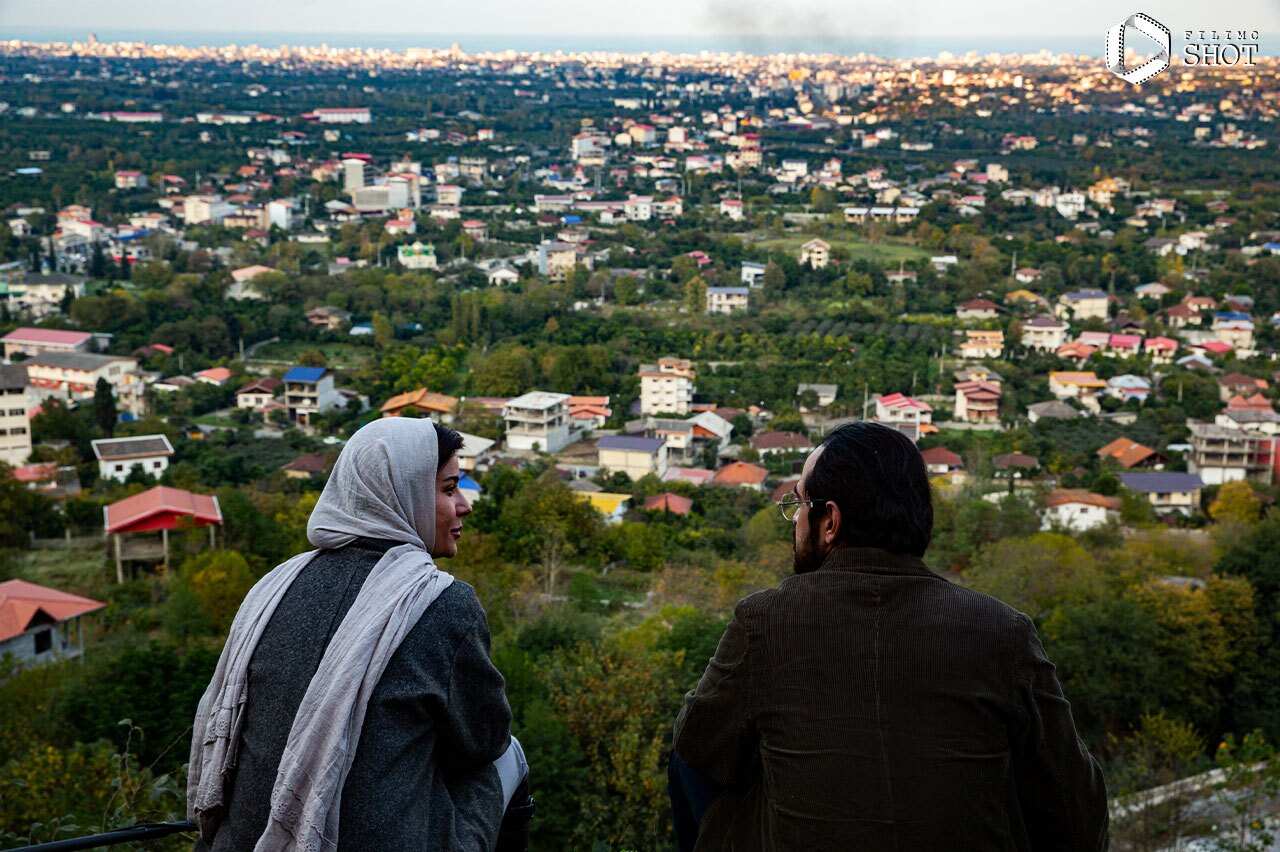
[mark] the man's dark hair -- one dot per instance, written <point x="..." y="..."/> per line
<point x="449" y="443"/>
<point x="878" y="479"/>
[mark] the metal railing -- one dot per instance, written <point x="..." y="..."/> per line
<point x="133" y="833"/>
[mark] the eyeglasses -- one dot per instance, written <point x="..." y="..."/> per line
<point x="790" y="505"/>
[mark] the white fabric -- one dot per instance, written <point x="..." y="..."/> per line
<point x="382" y="487"/>
<point x="512" y="769"/>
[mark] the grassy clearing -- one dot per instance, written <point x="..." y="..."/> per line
<point x="338" y="356"/>
<point x="81" y="569"/>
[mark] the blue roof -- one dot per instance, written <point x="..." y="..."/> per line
<point x="1271" y="246"/>
<point x="304" y="374"/>
<point x="469" y="484"/>
<point x="625" y="442"/>
<point x="1162" y="482"/>
<point x="1232" y="315"/>
<point x="570" y="220"/>
<point x="136" y="235"/>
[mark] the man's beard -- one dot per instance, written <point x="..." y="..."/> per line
<point x="806" y="559"/>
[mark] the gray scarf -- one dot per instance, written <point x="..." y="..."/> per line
<point x="383" y="486"/>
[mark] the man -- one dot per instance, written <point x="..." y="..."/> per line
<point x="868" y="704"/>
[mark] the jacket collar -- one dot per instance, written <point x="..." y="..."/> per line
<point x="874" y="561"/>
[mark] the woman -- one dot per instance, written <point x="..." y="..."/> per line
<point x="354" y="705"/>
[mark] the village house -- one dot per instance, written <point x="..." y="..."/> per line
<point x="257" y="393"/>
<point x="538" y="421"/>
<point x="587" y="413"/>
<point x="308" y="392"/>
<point x="15" y="410"/>
<point x="667" y="387"/>
<point x="978" y="309"/>
<point x="422" y="402"/>
<point x="328" y="317"/>
<point x="1221" y="454"/>
<point x="740" y="475"/>
<point x="939" y="461"/>
<point x="1052" y="410"/>
<point x="726" y="300"/>
<point x="241" y="283"/>
<point x="307" y="466"/>
<point x="1077" y="510"/>
<point x="476" y="453"/>
<point x="74" y="375"/>
<point x="37" y="623"/>
<point x="977" y="401"/>
<point x="1131" y="455"/>
<point x="898" y="409"/>
<point x="1083" y="386"/>
<point x="1168" y="492"/>
<point x="117" y="457"/>
<point x="1081" y="305"/>
<point x="826" y="394"/>
<point x="418" y="255"/>
<point x="40" y="296"/>
<point x="774" y="443"/>
<point x="981" y="344"/>
<point x="1161" y="350"/>
<point x="33" y="341"/>
<point x="816" y="253"/>
<point x="1044" y="333"/>
<point x="556" y="260"/>
<point x="634" y="456"/>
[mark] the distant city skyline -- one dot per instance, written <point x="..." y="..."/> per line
<point x="745" y="21"/>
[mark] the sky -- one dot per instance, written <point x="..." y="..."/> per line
<point x="720" y="19"/>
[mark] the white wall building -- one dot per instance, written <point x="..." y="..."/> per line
<point x="15" y="423"/>
<point x="117" y="457"/>
<point x="667" y="387"/>
<point x="538" y="418"/>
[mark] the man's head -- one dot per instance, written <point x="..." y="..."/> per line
<point x="868" y="487"/>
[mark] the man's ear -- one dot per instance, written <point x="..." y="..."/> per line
<point x="831" y="529"/>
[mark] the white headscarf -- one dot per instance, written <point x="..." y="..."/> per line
<point x="383" y="486"/>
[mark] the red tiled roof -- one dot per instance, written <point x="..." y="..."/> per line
<point x="1080" y="495"/>
<point x="941" y="455"/>
<point x="781" y="441"/>
<point x="36" y="472"/>
<point x="669" y="502"/>
<point x="740" y="473"/>
<point x="160" y="508"/>
<point x="21" y="602"/>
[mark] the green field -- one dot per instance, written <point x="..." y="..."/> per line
<point x="885" y="253"/>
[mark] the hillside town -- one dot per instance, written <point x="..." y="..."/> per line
<point x="642" y="288"/>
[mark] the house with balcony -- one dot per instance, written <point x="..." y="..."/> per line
<point x="981" y="344"/>
<point x="816" y="253"/>
<point x="308" y="392"/>
<point x="978" y="402"/>
<point x="1081" y="385"/>
<point x="726" y="300"/>
<point x="897" y="409"/>
<point x="667" y="387"/>
<point x="1221" y="454"/>
<point x="74" y="376"/>
<point x="978" y="309"/>
<point x="1044" y="333"/>
<point x="538" y="421"/>
<point x="15" y="425"/>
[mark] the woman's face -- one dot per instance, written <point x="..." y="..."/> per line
<point x="451" y="507"/>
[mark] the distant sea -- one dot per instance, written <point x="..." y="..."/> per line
<point x="888" y="48"/>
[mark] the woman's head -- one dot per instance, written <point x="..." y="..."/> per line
<point x="396" y="479"/>
<point x="451" y="505"/>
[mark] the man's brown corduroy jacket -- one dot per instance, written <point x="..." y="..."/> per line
<point x="873" y="705"/>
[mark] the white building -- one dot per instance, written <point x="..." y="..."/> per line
<point x="343" y="115"/>
<point x="667" y="387"/>
<point x="15" y="423"/>
<point x="420" y="255"/>
<point x="538" y="420"/>
<point x="198" y="209"/>
<point x="309" y="391"/>
<point x="726" y="300"/>
<point x="117" y="457"/>
<point x="74" y="375"/>
<point x="1078" y="510"/>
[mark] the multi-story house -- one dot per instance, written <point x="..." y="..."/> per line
<point x="899" y="409"/>
<point x="978" y="402"/>
<point x="1083" y="305"/>
<point x="982" y="344"/>
<point x="1044" y="333"/>
<point x="309" y="391"/>
<point x="74" y="375"/>
<point x="33" y="341"/>
<point x="1223" y="454"/>
<point x="15" y="423"/>
<point x="667" y="387"/>
<point x="726" y="300"/>
<point x="538" y="420"/>
<point x="556" y="260"/>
